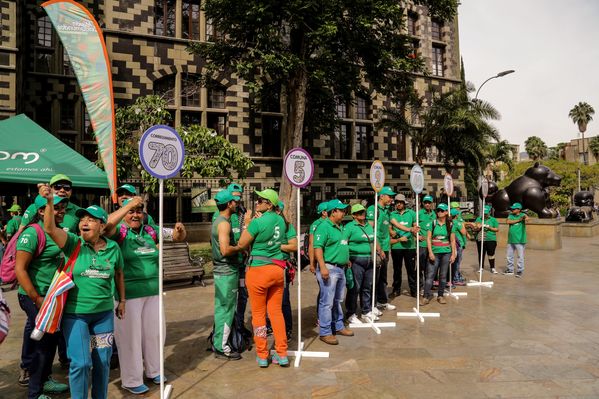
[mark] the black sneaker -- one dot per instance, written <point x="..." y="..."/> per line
<point x="519" y="274"/>
<point x="508" y="273"/>
<point x="227" y="356"/>
<point x="23" y="377"/>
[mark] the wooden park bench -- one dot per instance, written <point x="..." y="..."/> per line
<point x="179" y="265"/>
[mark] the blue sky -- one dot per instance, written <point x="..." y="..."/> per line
<point x="554" y="48"/>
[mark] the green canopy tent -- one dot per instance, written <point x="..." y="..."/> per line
<point x="30" y="154"/>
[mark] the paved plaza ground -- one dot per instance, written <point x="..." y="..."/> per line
<point x="536" y="337"/>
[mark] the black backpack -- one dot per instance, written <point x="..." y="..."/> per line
<point x="305" y="261"/>
<point x="240" y="338"/>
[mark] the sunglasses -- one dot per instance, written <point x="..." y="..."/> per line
<point x="261" y="200"/>
<point x="123" y="193"/>
<point x="65" y="187"/>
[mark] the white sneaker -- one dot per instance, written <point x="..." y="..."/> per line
<point x="369" y="317"/>
<point x="376" y="312"/>
<point x="494" y="271"/>
<point x="386" y="306"/>
<point x="354" y="319"/>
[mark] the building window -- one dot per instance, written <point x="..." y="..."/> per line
<point x="189" y="118"/>
<point x="165" y="87"/>
<point x="271" y="136"/>
<point x="44" y="32"/>
<point x="218" y="122"/>
<point x="212" y="33"/>
<point x="414" y="45"/>
<point x="216" y="96"/>
<point x="362" y="108"/>
<point x="436" y="30"/>
<point x="67" y="68"/>
<point x="437" y="59"/>
<point x="190" y="90"/>
<point x="412" y="24"/>
<point x="364" y="142"/>
<point x="342" y="110"/>
<point x="67" y="115"/>
<point x="270" y="98"/>
<point x="191" y="19"/>
<point x="340" y="143"/>
<point x="164" y="18"/>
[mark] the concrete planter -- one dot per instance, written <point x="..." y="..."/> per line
<point x="541" y="233"/>
<point x="590" y="229"/>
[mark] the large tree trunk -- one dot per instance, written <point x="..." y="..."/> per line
<point x="293" y="133"/>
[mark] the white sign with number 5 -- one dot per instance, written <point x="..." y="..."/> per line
<point x="161" y="151"/>
<point x="299" y="167"/>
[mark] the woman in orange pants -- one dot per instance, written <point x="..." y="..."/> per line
<point x="264" y="277"/>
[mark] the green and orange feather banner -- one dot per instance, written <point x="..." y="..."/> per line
<point x="83" y="41"/>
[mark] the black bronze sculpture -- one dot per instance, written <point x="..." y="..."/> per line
<point x="582" y="211"/>
<point x="531" y="190"/>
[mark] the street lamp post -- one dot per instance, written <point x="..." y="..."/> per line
<point x="499" y="75"/>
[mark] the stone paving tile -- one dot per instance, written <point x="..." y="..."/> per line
<point x="535" y="337"/>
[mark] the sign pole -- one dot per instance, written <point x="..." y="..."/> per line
<point x="484" y="185"/>
<point x="377" y="181"/>
<point x="417" y="183"/>
<point x="449" y="190"/>
<point x="299" y="170"/>
<point x="164" y="391"/>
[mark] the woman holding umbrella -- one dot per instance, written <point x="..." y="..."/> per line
<point x="88" y="321"/>
<point x="35" y="271"/>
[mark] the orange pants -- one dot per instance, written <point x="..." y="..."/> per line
<point x="265" y="289"/>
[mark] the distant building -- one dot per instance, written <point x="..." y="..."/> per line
<point x="577" y="150"/>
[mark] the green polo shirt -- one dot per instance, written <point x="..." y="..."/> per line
<point x="140" y="257"/>
<point x="489" y="235"/>
<point x="93" y="275"/>
<point x="69" y="224"/>
<point x="315" y="224"/>
<point x="426" y="223"/>
<point x="329" y="237"/>
<point x="382" y="232"/>
<point x="441" y="243"/>
<point x="290" y="234"/>
<point x="360" y="239"/>
<point x="268" y="232"/>
<point x="41" y="269"/>
<point x="456" y="227"/>
<point x="517" y="232"/>
<point x="12" y="226"/>
<point x="407" y="219"/>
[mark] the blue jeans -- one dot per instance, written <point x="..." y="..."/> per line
<point x="457" y="262"/>
<point x="82" y="331"/>
<point x="510" y="257"/>
<point x="442" y="265"/>
<point x="330" y="314"/>
<point x="39" y="355"/>
<point x="362" y="269"/>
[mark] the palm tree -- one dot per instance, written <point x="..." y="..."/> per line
<point x="497" y="154"/>
<point x="535" y="147"/>
<point x="581" y="115"/>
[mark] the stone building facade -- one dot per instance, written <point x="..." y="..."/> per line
<point x="146" y="42"/>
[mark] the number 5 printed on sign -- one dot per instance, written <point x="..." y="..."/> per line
<point x="300" y="173"/>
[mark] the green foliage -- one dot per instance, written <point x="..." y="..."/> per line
<point x="581" y="115"/>
<point x="206" y="153"/>
<point x="594" y="146"/>
<point x="498" y="155"/>
<point x="535" y="147"/>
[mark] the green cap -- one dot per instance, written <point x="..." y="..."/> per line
<point x="442" y="207"/>
<point x="454" y="212"/>
<point x="269" y="194"/>
<point x="235" y="188"/>
<point x="41" y="201"/>
<point x="427" y="198"/>
<point x="60" y="177"/>
<point x="127" y="187"/>
<point x="281" y="205"/>
<point x="357" y="208"/>
<point x="224" y="197"/>
<point x="14" y="208"/>
<point x="336" y="204"/>
<point x="516" y="205"/>
<point x="323" y="206"/>
<point x="125" y="202"/>
<point x="387" y="191"/>
<point x="454" y="205"/>
<point x="94" y="211"/>
<point x="487" y="209"/>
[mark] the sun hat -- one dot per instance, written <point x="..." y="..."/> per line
<point x="94" y="211"/>
<point x="400" y="197"/>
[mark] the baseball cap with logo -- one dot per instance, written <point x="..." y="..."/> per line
<point x="336" y="204"/>
<point x="269" y="194"/>
<point x="400" y="197"/>
<point x="387" y="191"/>
<point x="323" y="206"/>
<point x="235" y="188"/>
<point x="427" y="198"/>
<point x="357" y="208"/>
<point x="60" y="177"/>
<point x="454" y="212"/>
<point x="41" y="201"/>
<point x="127" y="187"/>
<point x="516" y="205"/>
<point x="442" y="207"/>
<point x="487" y="209"/>
<point x="94" y="211"/>
<point x="224" y="197"/>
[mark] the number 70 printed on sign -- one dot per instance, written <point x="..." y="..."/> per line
<point x="161" y="151"/>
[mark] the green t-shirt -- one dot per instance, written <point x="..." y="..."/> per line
<point x="329" y="237"/>
<point x="489" y="235"/>
<point x="517" y="232"/>
<point x="69" y="224"/>
<point x="224" y="266"/>
<point x="235" y="226"/>
<point x="426" y="223"/>
<point x="93" y="275"/>
<point x="290" y="234"/>
<point x="382" y="232"/>
<point x="140" y="258"/>
<point x="12" y="226"/>
<point x="41" y="269"/>
<point x="407" y="219"/>
<point x="440" y="240"/>
<point x="359" y="239"/>
<point x="315" y="224"/>
<point x="268" y="232"/>
<point x="456" y="227"/>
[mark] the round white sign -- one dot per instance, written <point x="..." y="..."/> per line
<point x="417" y="179"/>
<point x="377" y="176"/>
<point x="484" y="186"/>
<point x="161" y="151"/>
<point x="448" y="183"/>
<point x="299" y="167"/>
